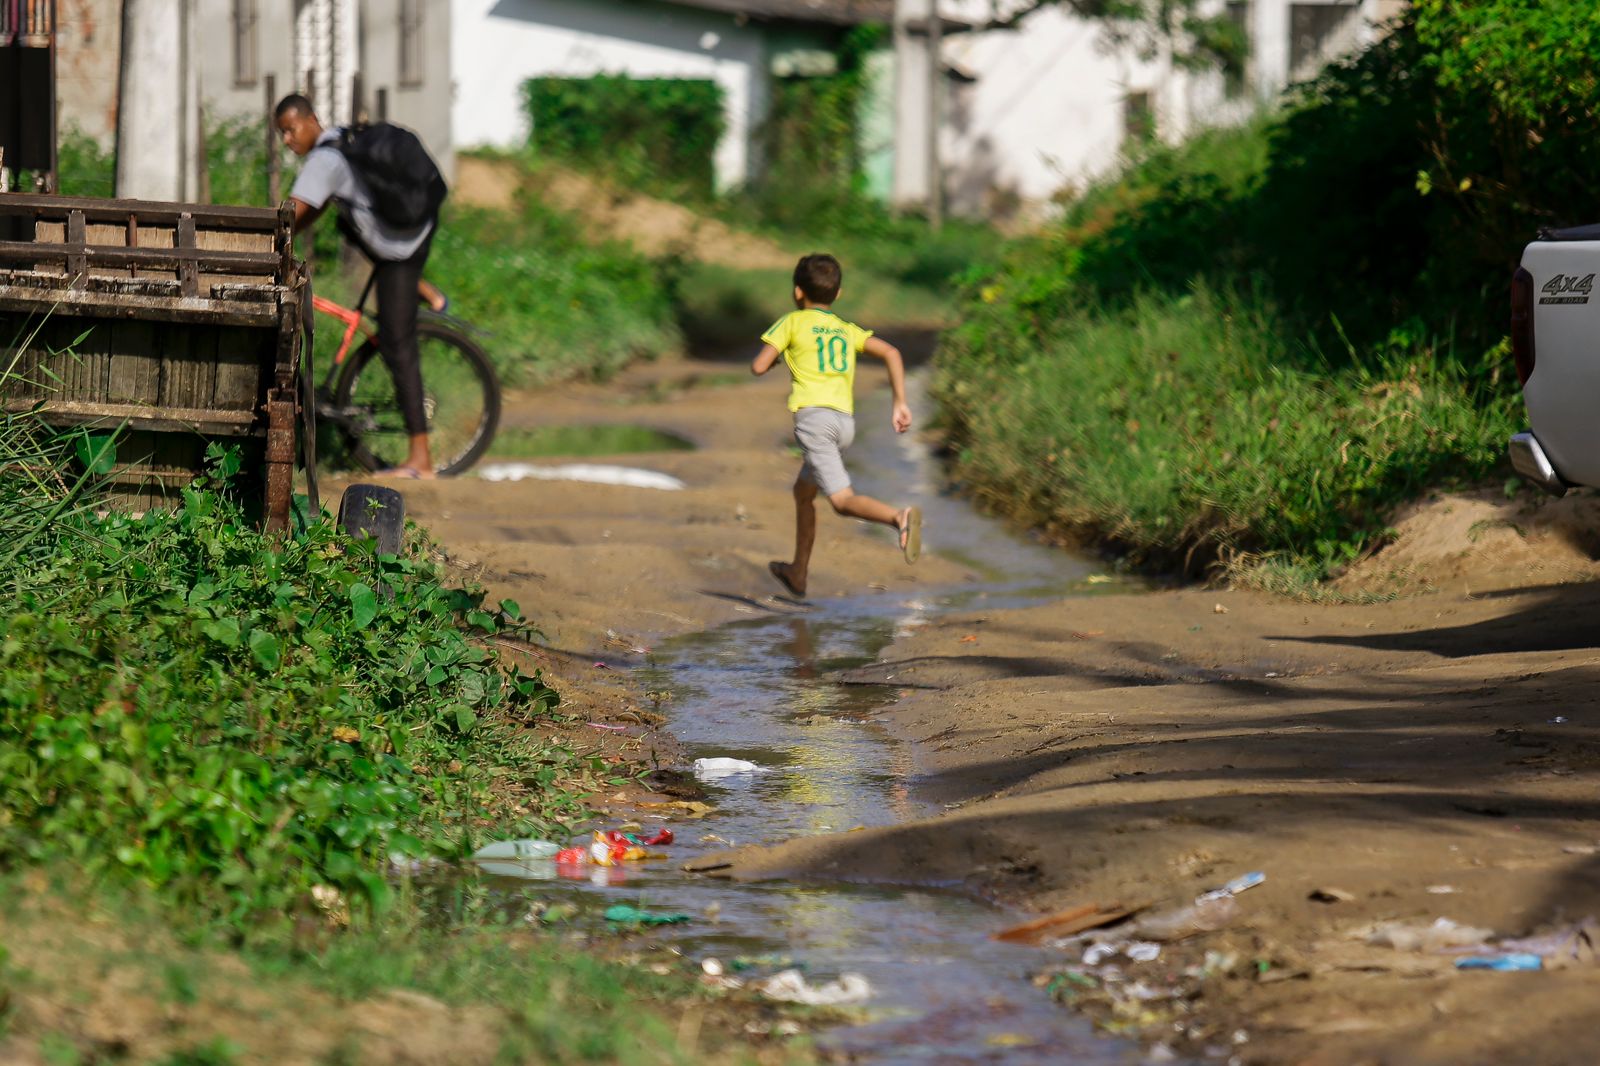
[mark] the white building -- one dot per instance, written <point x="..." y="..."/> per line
<point x="1054" y="102"/>
<point x="500" y="44"/>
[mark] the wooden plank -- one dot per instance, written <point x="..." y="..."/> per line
<point x="188" y="269"/>
<point x="77" y="262"/>
<point x="115" y="305"/>
<point x="242" y="368"/>
<point x="135" y="373"/>
<point x="142" y="416"/>
<point x="173" y="258"/>
<point x="189" y="371"/>
<point x="96" y="209"/>
<point x="224" y="240"/>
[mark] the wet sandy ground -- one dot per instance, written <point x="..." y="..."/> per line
<point x="1432" y="756"/>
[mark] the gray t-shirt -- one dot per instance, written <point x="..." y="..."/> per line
<point x="327" y="175"/>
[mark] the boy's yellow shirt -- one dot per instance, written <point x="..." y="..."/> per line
<point x="820" y="349"/>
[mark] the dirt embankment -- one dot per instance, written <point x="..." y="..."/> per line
<point x="653" y="226"/>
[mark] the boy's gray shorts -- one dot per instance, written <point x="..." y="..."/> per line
<point x="823" y="433"/>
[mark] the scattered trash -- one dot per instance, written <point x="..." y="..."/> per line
<point x="687" y="808"/>
<point x="613" y="847"/>
<point x="1442" y="933"/>
<point x="607" y="728"/>
<point x="717" y="769"/>
<point x="1331" y="895"/>
<point x="970" y="638"/>
<point x="1570" y="945"/>
<point x="1519" y="960"/>
<point x="595" y="473"/>
<point x="1441" y="890"/>
<point x="790" y="986"/>
<point x="1558" y="720"/>
<point x="1097" y="579"/>
<point x="1234" y="887"/>
<point x="528" y="860"/>
<point x="1205" y="915"/>
<point x="601" y="666"/>
<point x="624" y="914"/>
<point x="1582" y="849"/>
<point x="516" y="849"/>
<point x="331" y="902"/>
<point x="1066" y="923"/>
<point x="712" y="967"/>
<point x="1219" y="609"/>
<point x="1135" y="950"/>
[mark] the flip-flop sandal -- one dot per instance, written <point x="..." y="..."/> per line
<point x="913" y="534"/>
<point x="407" y="473"/>
<point x="781" y="572"/>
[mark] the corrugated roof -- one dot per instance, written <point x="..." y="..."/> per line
<point x="838" y="12"/>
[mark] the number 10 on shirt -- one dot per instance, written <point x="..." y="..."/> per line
<point x="833" y="353"/>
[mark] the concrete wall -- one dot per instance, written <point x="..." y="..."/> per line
<point x="88" y="47"/>
<point x="365" y="33"/>
<point x="499" y="44"/>
<point x="1047" y="111"/>
<point x="425" y="104"/>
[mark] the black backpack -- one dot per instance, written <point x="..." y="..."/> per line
<point x="397" y="171"/>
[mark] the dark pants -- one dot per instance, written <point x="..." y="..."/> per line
<point x="395" y="283"/>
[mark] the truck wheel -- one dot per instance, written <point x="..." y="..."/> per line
<point x="374" y="511"/>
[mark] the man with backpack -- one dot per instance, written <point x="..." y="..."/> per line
<point x="388" y="191"/>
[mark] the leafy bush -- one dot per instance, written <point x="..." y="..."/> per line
<point x="1180" y="430"/>
<point x="552" y="305"/>
<point x="236" y="717"/>
<point x="1359" y="238"/>
<point x="654" y="133"/>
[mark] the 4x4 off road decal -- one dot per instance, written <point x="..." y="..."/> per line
<point x="1568" y="289"/>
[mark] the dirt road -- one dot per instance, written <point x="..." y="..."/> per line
<point x="1429" y="756"/>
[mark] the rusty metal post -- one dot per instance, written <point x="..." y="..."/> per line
<point x="280" y="459"/>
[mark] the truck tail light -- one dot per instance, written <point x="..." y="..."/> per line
<point x="1522" y="323"/>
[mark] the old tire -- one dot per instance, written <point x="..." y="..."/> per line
<point x="374" y="511"/>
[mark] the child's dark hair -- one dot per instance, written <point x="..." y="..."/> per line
<point x="819" y="277"/>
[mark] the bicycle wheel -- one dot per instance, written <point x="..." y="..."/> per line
<point x="460" y="395"/>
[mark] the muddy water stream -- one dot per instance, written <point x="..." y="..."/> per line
<point x="763" y="690"/>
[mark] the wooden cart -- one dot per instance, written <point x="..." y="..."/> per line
<point x="172" y="325"/>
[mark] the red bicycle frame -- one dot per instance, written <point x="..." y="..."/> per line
<point x="354" y="320"/>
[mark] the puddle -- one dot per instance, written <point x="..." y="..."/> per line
<point x="584" y="441"/>
<point x="763" y="690"/>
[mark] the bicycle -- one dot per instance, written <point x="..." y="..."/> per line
<point x="461" y="392"/>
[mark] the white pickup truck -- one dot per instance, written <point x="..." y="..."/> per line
<point x="1555" y="340"/>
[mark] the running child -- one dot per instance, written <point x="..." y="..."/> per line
<point x="820" y="350"/>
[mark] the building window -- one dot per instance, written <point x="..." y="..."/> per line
<point x="1138" y="120"/>
<point x="411" y="56"/>
<point x="244" y="43"/>
<point x="1312" y="29"/>
<point x="1236" y="72"/>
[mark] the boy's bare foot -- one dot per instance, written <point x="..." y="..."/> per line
<point x="784" y="573"/>
<point x="909" y="523"/>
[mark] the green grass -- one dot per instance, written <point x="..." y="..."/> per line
<point x="585" y="441"/>
<point x="1193" y="430"/>
<point x="532" y="994"/>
